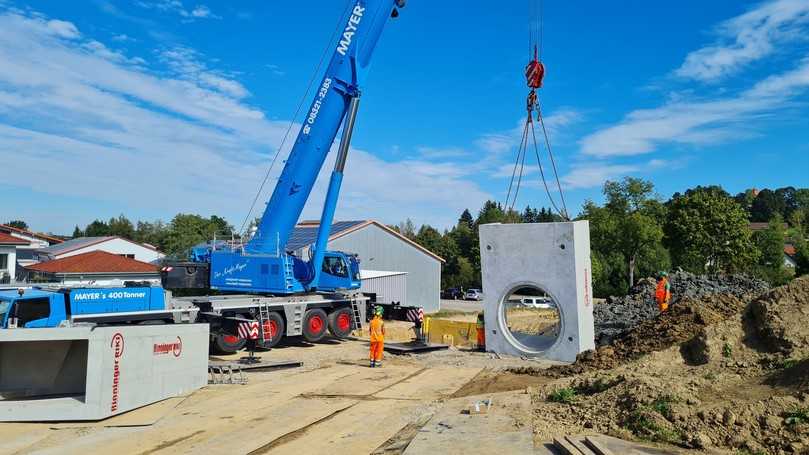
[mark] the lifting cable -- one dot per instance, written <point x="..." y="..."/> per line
<point x="340" y="22"/>
<point x="534" y="73"/>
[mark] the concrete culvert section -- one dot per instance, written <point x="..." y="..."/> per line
<point x="532" y="318"/>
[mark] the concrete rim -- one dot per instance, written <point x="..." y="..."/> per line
<point x="503" y="326"/>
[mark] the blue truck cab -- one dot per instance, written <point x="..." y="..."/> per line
<point x="35" y="308"/>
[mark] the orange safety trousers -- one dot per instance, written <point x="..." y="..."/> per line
<point x="481" y="337"/>
<point x="377" y="348"/>
<point x="377" y="329"/>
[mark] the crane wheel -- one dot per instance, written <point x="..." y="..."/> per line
<point x="275" y="328"/>
<point x="340" y="322"/>
<point x="227" y="344"/>
<point x="315" y="323"/>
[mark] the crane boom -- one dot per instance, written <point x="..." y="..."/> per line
<point x="340" y="84"/>
<point x="263" y="265"/>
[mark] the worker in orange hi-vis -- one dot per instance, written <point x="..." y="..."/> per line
<point x="663" y="292"/>
<point x="377" y="329"/>
<point x="481" y="330"/>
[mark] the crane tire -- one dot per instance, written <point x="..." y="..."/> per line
<point x="277" y="328"/>
<point x="315" y="323"/>
<point x="227" y="344"/>
<point x="340" y="322"/>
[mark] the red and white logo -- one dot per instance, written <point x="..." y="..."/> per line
<point x="176" y="348"/>
<point x="248" y="330"/>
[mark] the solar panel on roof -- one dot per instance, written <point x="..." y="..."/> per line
<point x="303" y="236"/>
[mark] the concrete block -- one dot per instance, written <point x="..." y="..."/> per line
<point x="554" y="257"/>
<point x="90" y="373"/>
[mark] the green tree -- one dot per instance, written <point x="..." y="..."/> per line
<point x="466" y="218"/>
<point x="121" y="227"/>
<point x="430" y="238"/>
<point x="153" y="233"/>
<point x="801" y="257"/>
<point x="97" y="228"/>
<point x="745" y="200"/>
<point x="770" y="243"/>
<point x="407" y="229"/>
<point x="634" y="229"/>
<point x="766" y="205"/>
<point x="708" y="231"/>
<point x="77" y="233"/>
<point x="19" y="224"/>
<point x="186" y="230"/>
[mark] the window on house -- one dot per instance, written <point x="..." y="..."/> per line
<point x="4" y="261"/>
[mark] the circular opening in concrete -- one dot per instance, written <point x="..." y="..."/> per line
<point x="532" y="318"/>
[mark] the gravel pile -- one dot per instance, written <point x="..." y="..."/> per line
<point x="620" y="314"/>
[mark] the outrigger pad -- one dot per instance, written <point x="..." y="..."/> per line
<point x="413" y="347"/>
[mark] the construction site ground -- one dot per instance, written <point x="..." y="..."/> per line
<point x="720" y="373"/>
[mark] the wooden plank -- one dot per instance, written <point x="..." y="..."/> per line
<point x="597" y="447"/>
<point x="575" y="441"/>
<point x="567" y="449"/>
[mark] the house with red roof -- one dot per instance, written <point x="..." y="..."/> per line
<point x="111" y="244"/>
<point x="26" y="243"/>
<point x="93" y="267"/>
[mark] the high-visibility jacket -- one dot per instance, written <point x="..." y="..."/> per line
<point x="663" y="291"/>
<point x="377" y="329"/>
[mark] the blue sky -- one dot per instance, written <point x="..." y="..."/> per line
<point x="153" y="107"/>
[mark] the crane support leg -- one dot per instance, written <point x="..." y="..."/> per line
<point x="333" y="194"/>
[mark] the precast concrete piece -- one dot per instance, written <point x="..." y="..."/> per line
<point x="554" y="257"/>
<point x="90" y="373"/>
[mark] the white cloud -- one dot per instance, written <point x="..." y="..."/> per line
<point x="201" y="11"/>
<point x="698" y="122"/>
<point x="95" y="127"/>
<point x="177" y="7"/>
<point x="432" y="153"/>
<point x="187" y="64"/>
<point x="498" y="143"/>
<point x="123" y="38"/>
<point x="63" y="29"/>
<point x="747" y="38"/>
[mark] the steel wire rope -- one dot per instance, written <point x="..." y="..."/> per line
<point x="553" y="161"/>
<point x="520" y="151"/>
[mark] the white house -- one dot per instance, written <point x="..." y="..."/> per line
<point x="8" y="256"/>
<point x="33" y="241"/>
<point x="110" y="244"/>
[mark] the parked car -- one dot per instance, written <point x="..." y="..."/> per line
<point x="452" y="294"/>
<point x="544" y="303"/>
<point x="473" y="294"/>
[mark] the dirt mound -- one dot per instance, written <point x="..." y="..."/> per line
<point x="780" y="318"/>
<point x="721" y="372"/>
<point x="682" y="324"/>
<point x="620" y="314"/>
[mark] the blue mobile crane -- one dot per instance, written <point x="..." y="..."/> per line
<point x="262" y="265"/>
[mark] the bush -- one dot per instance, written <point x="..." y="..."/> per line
<point x="565" y="395"/>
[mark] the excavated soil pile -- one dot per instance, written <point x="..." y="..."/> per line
<point x="735" y="376"/>
<point x="681" y="324"/>
<point x="620" y="314"/>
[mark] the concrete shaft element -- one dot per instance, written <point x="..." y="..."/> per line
<point x="84" y="373"/>
<point x="554" y="257"/>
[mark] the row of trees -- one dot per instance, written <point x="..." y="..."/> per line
<point x="635" y="233"/>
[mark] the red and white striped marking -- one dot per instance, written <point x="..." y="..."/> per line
<point x="248" y="330"/>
